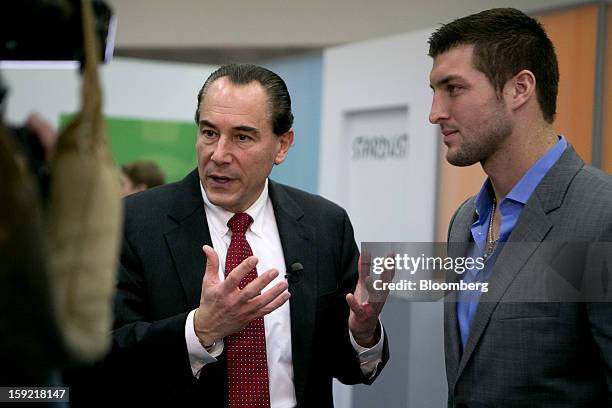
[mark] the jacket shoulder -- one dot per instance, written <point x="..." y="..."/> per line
<point x="589" y="199"/>
<point x="595" y="180"/>
<point x="150" y="203"/>
<point x="311" y="202"/>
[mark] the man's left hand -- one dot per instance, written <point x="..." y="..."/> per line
<point x="363" y="317"/>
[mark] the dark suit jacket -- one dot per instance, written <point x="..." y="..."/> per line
<point x="162" y="266"/>
<point x="536" y="354"/>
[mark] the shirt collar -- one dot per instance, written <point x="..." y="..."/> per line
<point x="484" y="199"/>
<point x="530" y="180"/>
<point x="526" y="185"/>
<point x="218" y="217"/>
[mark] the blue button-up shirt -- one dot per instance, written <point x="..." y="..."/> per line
<point x="510" y="209"/>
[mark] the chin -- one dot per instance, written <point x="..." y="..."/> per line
<point x="220" y="200"/>
<point x="459" y="160"/>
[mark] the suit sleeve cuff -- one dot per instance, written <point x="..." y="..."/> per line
<point x="369" y="358"/>
<point x="198" y="355"/>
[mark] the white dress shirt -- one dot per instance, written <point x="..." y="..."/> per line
<point x="264" y="240"/>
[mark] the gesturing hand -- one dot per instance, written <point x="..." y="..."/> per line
<point x="363" y="316"/>
<point x="225" y="308"/>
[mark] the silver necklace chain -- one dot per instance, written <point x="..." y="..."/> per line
<point x="491" y="243"/>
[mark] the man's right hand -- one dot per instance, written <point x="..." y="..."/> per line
<point x="225" y="308"/>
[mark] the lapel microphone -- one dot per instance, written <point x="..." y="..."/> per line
<point x="293" y="275"/>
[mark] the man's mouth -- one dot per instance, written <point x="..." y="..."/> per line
<point x="449" y="136"/>
<point x="220" y="179"/>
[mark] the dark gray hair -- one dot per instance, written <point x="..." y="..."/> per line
<point x="279" y="101"/>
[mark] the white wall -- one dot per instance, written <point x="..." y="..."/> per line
<point x="390" y="199"/>
<point x="132" y="88"/>
<point x="376" y="75"/>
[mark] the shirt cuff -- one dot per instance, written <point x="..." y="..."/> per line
<point x="369" y="358"/>
<point x="198" y="356"/>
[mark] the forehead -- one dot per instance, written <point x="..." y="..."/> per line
<point x="225" y="97"/>
<point x="456" y="62"/>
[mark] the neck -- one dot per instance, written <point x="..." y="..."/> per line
<point x="516" y="156"/>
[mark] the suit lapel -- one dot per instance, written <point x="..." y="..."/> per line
<point x="459" y="234"/>
<point x="530" y="230"/>
<point x="297" y="240"/>
<point x="186" y="235"/>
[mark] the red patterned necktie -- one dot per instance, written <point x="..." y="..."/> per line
<point x="247" y="368"/>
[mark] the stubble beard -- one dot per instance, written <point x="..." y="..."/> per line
<point x="482" y="144"/>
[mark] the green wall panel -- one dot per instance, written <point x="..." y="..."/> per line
<point x="169" y="144"/>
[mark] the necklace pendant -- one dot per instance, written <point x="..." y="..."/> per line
<point x="489" y="249"/>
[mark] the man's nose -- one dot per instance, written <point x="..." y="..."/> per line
<point x="438" y="110"/>
<point x="222" y="151"/>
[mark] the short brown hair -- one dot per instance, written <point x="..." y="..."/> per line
<point x="506" y="41"/>
<point x="144" y="172"/>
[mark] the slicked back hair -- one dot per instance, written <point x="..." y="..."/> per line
<point x="279" y="101"/>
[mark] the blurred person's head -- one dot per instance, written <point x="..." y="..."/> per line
<point x="244" y="123"/>
<point x="140" y="176"/>
<point x="492" y="71"/>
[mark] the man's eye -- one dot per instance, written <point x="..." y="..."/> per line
<point x="208" y="133"/>
<point x="243" y="138"/>
<point x="453" y="89"/>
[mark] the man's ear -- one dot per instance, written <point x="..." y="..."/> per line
<point x="285" y="141"/>
<point x="520" y="89"/>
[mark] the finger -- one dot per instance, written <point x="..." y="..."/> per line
<point x="365" y="261"/>
<point x="257" y="285"/>
<point x="369" y="285"/>
<point x="376" y="296"/>
<point x="364" y="311"/>
<point x="261" y="301"/>
<point x="388" y="275"/>
<point x="354" y="304"/>
<point x="275" y="304"/>
<point x="232" y="281"/>
<point x="211" y="273"/>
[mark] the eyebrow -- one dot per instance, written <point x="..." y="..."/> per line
<point x="445" y="80"/>
<point x="207" y="124"/>
<point x="241" y="128"/>
<point x="244" y="128"/>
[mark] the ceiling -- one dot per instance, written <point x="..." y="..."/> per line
<point x="214" y="31"/>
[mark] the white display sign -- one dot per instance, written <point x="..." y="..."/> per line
<point x="377" y="146"/>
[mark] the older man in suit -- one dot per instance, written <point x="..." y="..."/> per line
<point x="495" y="80"/>
<point x="272" y="319"/>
